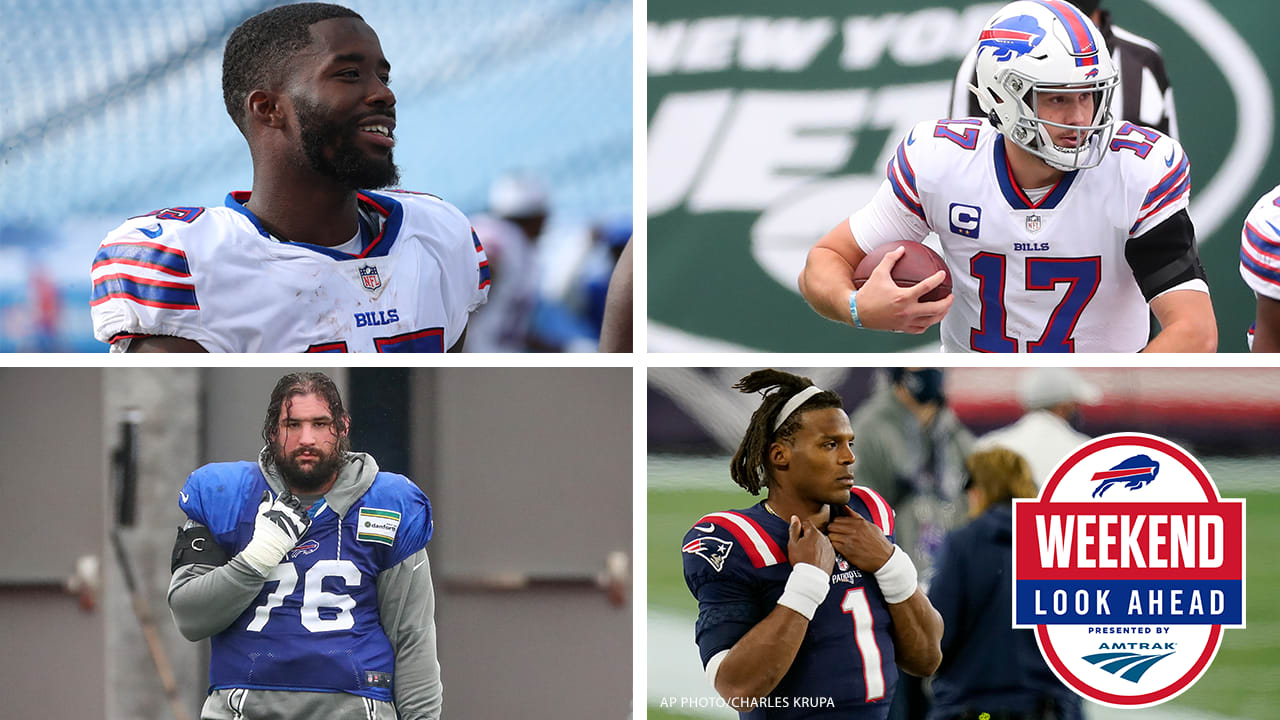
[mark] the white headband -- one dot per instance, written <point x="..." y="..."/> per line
<point x="796" y="401"/>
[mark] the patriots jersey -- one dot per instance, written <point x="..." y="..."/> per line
<point x="315" y="625"/>
<point x="735" y="564"/>
<point x="1042" y="275"/>
<point x="217" y="277"/>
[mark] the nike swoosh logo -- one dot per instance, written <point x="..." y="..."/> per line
<point x="415" y="567"/>
<point x="185" y="497"/>
<point x="1169" y="161"/>
<point x="1273" y="227"/>
<point x="911" y="137"/>
<point x="153" y="234"/>
<point x="709" y="528"/>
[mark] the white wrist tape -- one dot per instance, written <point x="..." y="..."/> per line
<point x="806" y="589"/>
<point x="897" y="579"/>
<point x="266" y="549"/>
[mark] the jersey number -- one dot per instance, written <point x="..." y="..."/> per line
<point x="430" y="340"/>
<point x="313" y="597"/>
<point x="1139" y="148"/>
<point x="966" y="138"/>
<point x="864" y="636"/>
<point x="1081" y="275"/>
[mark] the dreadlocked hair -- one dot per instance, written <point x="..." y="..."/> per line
<point x="306" y="383"/>
<point x="749" y="467"/>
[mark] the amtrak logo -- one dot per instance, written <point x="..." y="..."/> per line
<point x="1130" y="666"/>
<point x="305" y="548"/>
<point x="1135" y="472"/>
<point x="713" y="550"/>
<point x="369" y="277"/>
<point x="1011" y="38"/>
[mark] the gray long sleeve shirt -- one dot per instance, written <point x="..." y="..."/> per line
<point x="206" y="599"/>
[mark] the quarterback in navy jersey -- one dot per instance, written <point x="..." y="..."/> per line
<point x="311" y="260"/>
<point x="308" y="572"/>
<point x="806" y="608"/>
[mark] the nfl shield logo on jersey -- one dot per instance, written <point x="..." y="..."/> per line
<point x="1033" y="223"/>
<point x="369" y="276"/>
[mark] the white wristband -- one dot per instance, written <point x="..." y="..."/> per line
<point x="806" y="589"/>
<point x="897" y="579"/>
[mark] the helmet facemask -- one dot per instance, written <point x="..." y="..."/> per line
<point x="1032" y="132"/>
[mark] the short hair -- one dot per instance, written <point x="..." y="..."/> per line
<point x="1001" y="474"/>
<point x="259" y="50"/>
<point x="305" y="383"/>
<point x="750" y="465"/>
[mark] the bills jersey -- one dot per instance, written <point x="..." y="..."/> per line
<point x="216" y="276"/>
<point x="735" y="563"/>
<point x="1043" y="271"/>
<point x="1260" y="246"/>
<point x="314" y="626"/>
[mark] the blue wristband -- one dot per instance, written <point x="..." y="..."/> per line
<point x="853" y="308"/>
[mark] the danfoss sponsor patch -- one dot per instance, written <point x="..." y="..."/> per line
<point x="1128" y="566"/>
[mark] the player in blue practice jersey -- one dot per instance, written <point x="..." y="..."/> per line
<point x="308" y="572"/>
<point x="312" y="260"/>
<point x="806" y="608"/>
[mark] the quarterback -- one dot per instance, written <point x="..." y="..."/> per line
<point x="308" y="572"/>
<point x="1260" y="268"/>
<point x="1063" y="229"/>
<point x="312" y="260"/>
<point x="806" y="608"/>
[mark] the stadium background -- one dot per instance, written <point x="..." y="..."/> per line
<point x="769" y="122"/>
<point x="114" y="109"/>
<point x="81" y="654"/>
<point x="1227" y="418"/>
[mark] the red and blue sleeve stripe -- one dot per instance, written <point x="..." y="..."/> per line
<point x="153" y="256"/>
<point x="1169" y="190"/>
<point x="484" y="264"/>
<point x="1264" y="246"/>
<point x="902" y="178"/>
<point x="153" y="293"/>
<point x="1083" y="47"/>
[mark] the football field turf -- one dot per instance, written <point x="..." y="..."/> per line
<point x="1242" y="682"/>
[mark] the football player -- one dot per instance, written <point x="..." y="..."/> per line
<point x="308" y="572"/>
<point x="1063" y="231"/>
<point x="312" y="260"/>
<point x="1260" y="268"/>
<point x="806" y="608"/>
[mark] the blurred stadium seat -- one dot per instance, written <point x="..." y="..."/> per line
<point x="120" y="112"/>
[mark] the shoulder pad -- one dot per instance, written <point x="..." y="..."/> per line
<point x="1158" y="165"/>
<point x="881" y="514"/>
<point x="215" y="494"/>
<point x="732" y="534"/>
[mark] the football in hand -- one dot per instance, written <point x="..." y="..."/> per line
<point x="918" y="263"/>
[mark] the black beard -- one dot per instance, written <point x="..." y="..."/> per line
<point x="350" y="166"/>
<point x="324" y="468"/>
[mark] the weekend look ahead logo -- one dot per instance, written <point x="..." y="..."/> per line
<point x="1128" y="566"/>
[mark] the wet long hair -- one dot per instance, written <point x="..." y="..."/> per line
<point x="306" y="383"/>
<point x="750" y="465"/>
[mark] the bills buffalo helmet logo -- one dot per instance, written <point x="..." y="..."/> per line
<point x="713" y="550"/>
<point x="1135" y="472"/>
<point x="1013" y="37"/>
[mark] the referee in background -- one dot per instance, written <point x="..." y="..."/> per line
<point x="1145" y="95"/>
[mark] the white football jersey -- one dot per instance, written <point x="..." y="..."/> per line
<point x="1260" y="246"/>
<point x="1031" y="276"/>
<point x="215" y="276"/>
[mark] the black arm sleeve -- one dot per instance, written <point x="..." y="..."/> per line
<point x="197" y="545"/>
<point x="1165" y="256"/>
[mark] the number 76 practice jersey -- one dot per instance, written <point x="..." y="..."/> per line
<point x="216" y="276"/>
<point x="1071" y="270"/>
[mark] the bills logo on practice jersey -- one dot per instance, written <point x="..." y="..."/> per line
<point x="1128" y="593"/>
<point x="1135" y="472"/>
<point x="305" y="548"/>
<point x="369" y="277"/>
<point x="1010" y="38"/>
<point x="712" y="549"/>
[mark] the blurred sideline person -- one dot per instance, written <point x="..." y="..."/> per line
<point x="308" y="572"/>
<point x="1145" y="94"/>
<point x="1260" y="268"/>
<point x="806" y="608"/>
<point x="989" y="670"/>
<point x="1063" y="230"/>
<point x="1046" y="434"/>
<point x="615" y="329"/>
<point x="312" y="260"/>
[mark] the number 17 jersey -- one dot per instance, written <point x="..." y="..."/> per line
<point x="1039" y="272"/>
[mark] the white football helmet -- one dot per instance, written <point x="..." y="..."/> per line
<point x="1031" y="47"/>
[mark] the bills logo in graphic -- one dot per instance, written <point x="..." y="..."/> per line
<point x="1128" y="592"/>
